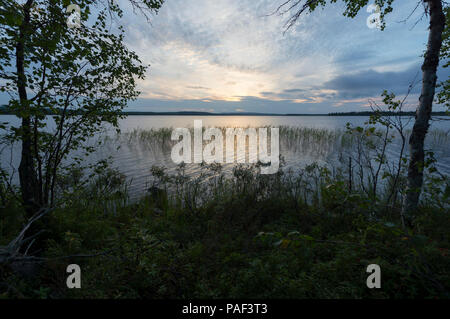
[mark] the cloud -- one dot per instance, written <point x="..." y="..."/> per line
<point x="369" y="83"/>
<point x="294" y="91"/>
<point x="232" y="53"/>
<point x="198" y="88"/>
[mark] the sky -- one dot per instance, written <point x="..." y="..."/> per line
<point x="235" y="56"/>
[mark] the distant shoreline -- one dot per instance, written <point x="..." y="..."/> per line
<point x="4" y="111"/>
<point x="277" y="114"/>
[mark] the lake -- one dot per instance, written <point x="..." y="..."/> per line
<point x="303" y="140"/>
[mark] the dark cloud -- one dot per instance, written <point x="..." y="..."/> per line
<point x="371" y="83"/>
<point x="363" y="84"/>
<point x="294" y="91"/>
<point x="198" y="88"/>
<point x="356" y="55"/>
<point x="268" y="94"/>
<point x="288" y="94"/>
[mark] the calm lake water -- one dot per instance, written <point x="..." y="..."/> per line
<point x="134" y="153"/>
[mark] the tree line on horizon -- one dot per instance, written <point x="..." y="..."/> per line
<point x="5" y="110"/>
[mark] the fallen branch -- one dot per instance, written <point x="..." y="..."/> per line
<point x="12" y="252"/>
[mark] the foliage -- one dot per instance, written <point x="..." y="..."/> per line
<point x="287" y="235"/>
<point x="84" y="75"/>
<point x="352" y="7"/>
<point x="443" y="96"/>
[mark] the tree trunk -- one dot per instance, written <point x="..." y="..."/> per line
<point x="27" y="173"/>
<point x="423" y="113"/>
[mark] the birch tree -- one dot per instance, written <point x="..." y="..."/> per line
<point x="434" y="9"/>
<point x="75" y="67"/>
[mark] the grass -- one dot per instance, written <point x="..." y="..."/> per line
<point x="319" y="141"/>
<point x="287" y="235"/>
